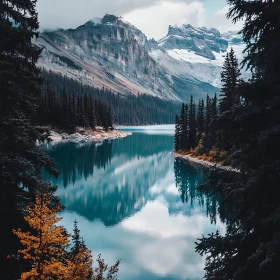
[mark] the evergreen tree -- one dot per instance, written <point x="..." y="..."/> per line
<point x="230" y="79"/>
<point x="200" y="119"/>
<point x="80" y="264"/>
<point x="183" y="129"/>
<point x="214" y="109"/>
<point x="177" y="134"/>
<point x="192" y="125"/>
<point x="208" y="115"/>
<point x="250" y="248"/>
<point x="20" y="158"/>
<point x="129" y="109"/>
<point x="76" y="239"/>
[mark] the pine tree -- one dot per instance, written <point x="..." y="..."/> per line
<point x="192" y="125"/>
<point x="235" y="75"/>
<point x="200" y="119"/>
<point x="20" y="84"/>
<point x="249" y="249"/>
<point x="214" y="109"/>
<point x="177" y="134"/>
<point x="208" y="115"/>
<point x="76" y="239"/>
<point x="230" y="79"/>
<point x="183" y="129"/>
<point x="80" y="258"/>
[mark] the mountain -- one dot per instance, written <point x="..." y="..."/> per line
<point x="112" y="53"/>
<point x="197" y="53"/>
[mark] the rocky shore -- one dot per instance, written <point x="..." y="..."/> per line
<point x="204" y="162"/>
<point x="85" y="135"/>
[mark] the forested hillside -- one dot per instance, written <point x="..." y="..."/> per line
<point x="32" y="244"/>
<point x="126" y="110"/>
<point x="244" y="134"/>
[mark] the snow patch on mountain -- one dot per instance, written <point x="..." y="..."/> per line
<point x="197" y="53"/>
<point x="114" y="54"/>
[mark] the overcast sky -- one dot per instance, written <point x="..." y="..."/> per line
<point x="151" y="16"/>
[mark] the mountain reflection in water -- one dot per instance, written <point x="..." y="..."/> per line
<point x="133" y="201"/>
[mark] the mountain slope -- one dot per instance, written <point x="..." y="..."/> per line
<point x="108" y="53"/>
<point x="197" y="53"/>
<point x="114" y="54"/>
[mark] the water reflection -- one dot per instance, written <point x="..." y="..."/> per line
<point x="135" y="203"/>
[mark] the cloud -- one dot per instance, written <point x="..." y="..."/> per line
<point x="151" y="242"/>
<point x="223" y="24"/>
<point x="151" y="16"/>
<point x="72" y="13"/>
<point x="154" y="20"/>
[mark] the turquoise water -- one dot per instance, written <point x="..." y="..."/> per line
<point x="133" y="201"/>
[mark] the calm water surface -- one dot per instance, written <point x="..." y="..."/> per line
<point x="133" y="201"/>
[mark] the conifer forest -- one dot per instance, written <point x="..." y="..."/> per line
<point x="145" y="200"/>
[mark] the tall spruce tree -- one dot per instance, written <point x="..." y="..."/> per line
<point x="214" y="109"/>
<point x="20" y="158"/>
<point x="177" y="134"/>
<point x="230" y="80"/>
<point x="250" y="248"/>
<point x="208" y="114"/>
<point x="200" y="119"/>
<point x="183" y="128"/>
<point x="192" y="125"/>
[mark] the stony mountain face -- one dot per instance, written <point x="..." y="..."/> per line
<point x="109" y="53"/>
<point x="112" y="53"/>
<point x="201" y="41"/>
<point x="197" y="53"/>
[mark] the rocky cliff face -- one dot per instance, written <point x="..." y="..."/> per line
<point x="106" y="52"/>
<point x="111" y="53"/>
<point x="202" y="41"/>
<point x="197" y="53"/>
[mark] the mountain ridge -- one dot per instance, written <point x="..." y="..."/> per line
<point x="114" y="54"/>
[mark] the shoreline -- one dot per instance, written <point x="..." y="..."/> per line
<point x="84" y="135"/>
<point x="205" y="163"/>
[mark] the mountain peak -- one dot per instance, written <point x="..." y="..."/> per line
<point x="188" y="29"/>
<point x="110" y="19"/>
<point x="201" y="40"/>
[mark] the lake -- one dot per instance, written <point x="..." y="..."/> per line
<point x="133" y="201"/>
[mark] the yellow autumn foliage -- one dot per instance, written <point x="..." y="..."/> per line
<point x="45" y="246"/>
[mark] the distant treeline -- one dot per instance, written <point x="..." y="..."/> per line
<point x="126" y="110"/>
<point x="68" y="110"/>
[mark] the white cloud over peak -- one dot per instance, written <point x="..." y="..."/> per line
<point x="220" y="21"/>
<point x="151" y="16"/>
<point x="154" y="20"/>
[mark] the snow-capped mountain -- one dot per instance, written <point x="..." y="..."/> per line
<point x="197" y="53"/>
<point x="112" y="53"/>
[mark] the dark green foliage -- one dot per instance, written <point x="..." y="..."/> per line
<point x="68" y="111"/>
<point x="177" y="134"/>
<point x="187" y="179"/>
<point x="200" y="119"/>
<point x="78" y="245"/>
<point x="192" y="126"/>
<point x="250" y="249"/>
<point x="76" y="240"/>
<point x="184" y="127"/>
<point x="20" y="159"/>
<point x="230" y="81"/>
<point x="126" y="110"/>
<point x="208" y="115"/>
